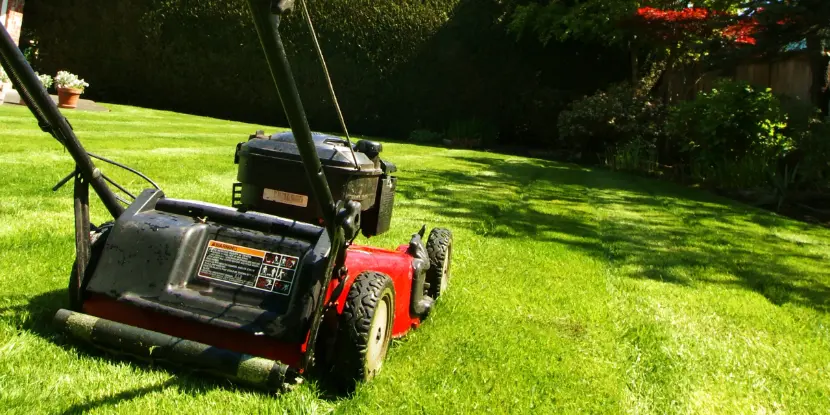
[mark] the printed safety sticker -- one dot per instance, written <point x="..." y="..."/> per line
<point x="239" y="265"/>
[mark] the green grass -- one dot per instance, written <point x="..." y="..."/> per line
<point x="573" y="290"/>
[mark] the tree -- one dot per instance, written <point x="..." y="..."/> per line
<point x="784" y="22"/>
<point x="657" y="34"/>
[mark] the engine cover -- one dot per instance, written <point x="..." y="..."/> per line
<point x="212" y="264"/>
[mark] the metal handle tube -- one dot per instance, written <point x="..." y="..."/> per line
<point x="267" y="26"/>
<point x="50" y="119"/>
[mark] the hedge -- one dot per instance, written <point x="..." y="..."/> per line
<point x="397" y="65"/>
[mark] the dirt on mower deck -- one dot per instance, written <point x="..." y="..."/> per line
<point x="12" y="97"/>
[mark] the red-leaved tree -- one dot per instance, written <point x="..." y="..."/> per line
<point x="658" y="34"/>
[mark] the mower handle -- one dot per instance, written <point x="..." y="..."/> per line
<point x="266" y="15"/>
<point x="50" y="119"/>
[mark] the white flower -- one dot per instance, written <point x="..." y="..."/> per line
<point x="65" y="79"/>
<point x="46" y="80"/>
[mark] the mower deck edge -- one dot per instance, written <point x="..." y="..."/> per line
<point x="158" y="347"/>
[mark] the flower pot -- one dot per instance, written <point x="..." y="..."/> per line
<point x="68" y="97"/>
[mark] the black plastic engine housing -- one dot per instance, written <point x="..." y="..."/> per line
<point x="244" y="271"/>
<point x="272" y="179"/>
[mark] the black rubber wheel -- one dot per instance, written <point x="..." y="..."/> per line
<point x="365" y="329"/>
<point x="439" y="249"/>
<point x="97" y="240"/>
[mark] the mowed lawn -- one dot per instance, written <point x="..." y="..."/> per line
<point x="573" y="290"/>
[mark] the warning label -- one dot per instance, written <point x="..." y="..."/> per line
<point x="267" y="271"/>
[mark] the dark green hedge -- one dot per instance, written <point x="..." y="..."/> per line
<point x="397" y="65"/>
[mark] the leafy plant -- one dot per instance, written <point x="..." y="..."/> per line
<point x="69" y="80"/>
<point x="473" y="132"/>
<point x="811" y="139"/>
<point x="46" y="80"/>
<point x="601" y="123"/>
<point x="425" y="136"/>
<point x="4" y="78"/>
<point x="734" y="125"/>
<point x="783" y="182"/>
<point x="636" y="155"/>
<point x="30" y="51"/>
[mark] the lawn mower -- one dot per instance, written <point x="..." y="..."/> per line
<point x="271" y="287"/>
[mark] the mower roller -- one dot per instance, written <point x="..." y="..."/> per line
<point x="269" y="287"/>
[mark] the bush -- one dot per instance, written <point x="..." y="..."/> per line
<point x="610" y="120"/>
<point x="731" y="137"/>
<point x="811" y="141"/>
<point x="397" y="65"/>
<point x="812" y="154"/>
<point x="636" y="155"/>
<point x="425" y="136"/>
<point x="472" y="133"/>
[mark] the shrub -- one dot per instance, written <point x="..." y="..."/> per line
<point x="636" y="155"/>
<point x="732" y="136"/>
<point x="396" y="65"/>
<point x="472" y="132"/>
<point x="811" y="141"/>
<point x="812" y="154"/>
<point x="46" y="80"/>
<point x="608" y="120"/>
<point x="425" y="136"/>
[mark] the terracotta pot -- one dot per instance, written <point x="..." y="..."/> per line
<point x="68" y="97"/>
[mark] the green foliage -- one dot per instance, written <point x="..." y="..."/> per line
<point x="789" y="21"/>
<point x="425" y="136"/>
<point x="610" y="119"/>
<point x="637" y="155"/>
<point x="592" y="20"/>
<point x="733" y="137"/>
<point x="811" y="138"/>
<point x="783" y="182"/>
<point x="204" y="57"/>
<point x="472" y="132"/>
<point x="396" y="65"/>
<point x="587" y="20"/>
<point x="46" y="80"/>
<point x="733" y="134"/>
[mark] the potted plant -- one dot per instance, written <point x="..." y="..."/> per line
<point x="4" y="79"/>
<point x="70" y="88"/>
<point x="46" y="80"/>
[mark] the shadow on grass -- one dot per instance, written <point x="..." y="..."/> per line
<point x="646" y="228"/>
<point x="120" y="397"/>
<point x="35" y="316"/>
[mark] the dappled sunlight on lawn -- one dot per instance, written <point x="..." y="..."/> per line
<point x="573" y="290"/>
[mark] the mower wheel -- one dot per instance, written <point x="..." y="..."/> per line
<point x="97" y="239"/>
<point x="365" y="329"/>
<point x="439" y="248"/>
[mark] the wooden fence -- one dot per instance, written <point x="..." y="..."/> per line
<point x="788" y="74"/>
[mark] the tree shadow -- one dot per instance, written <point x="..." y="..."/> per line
<point x="645" y="228"/>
